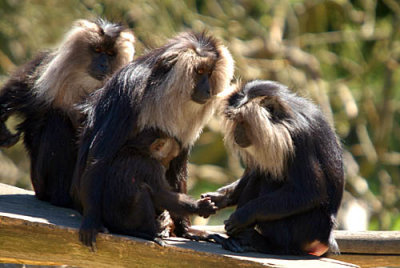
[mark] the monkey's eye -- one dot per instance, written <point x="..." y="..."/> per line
<point x="200" y="71"/>
<point x="110" y="53"/>
<point x="97" y="49"/>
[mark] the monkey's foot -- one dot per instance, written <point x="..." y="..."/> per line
<point x="316" y="248"/>
<point x="231" y="244"/>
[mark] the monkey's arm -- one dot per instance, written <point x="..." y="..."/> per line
<point x="179" y="204"/>
<point x="228" y="195"/>
<point x="176" y="176"/>
<point x="17" y="96"/>
<point x="304" y="190"/>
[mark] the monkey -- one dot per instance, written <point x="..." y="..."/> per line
<point x="133" y="199"/>
<point x="174" y="88"/>
<point x="290" y="192"/>
<point x="46" y="92"/>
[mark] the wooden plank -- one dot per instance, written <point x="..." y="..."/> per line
<point x="35" y="232"/>
<point x="363" y="242"/>
<point x="369" y="242"/>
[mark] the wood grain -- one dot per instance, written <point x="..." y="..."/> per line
<point x="35" y="232"/>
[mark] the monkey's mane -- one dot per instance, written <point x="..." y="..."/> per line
<point x="167" y="103"/>
<point x="272" y="145"/>
<point x="63" y="80"/>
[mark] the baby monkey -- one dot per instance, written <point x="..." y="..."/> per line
<point x="133" y="202"/>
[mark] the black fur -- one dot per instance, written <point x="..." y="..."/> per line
<point x="135" y="192"/>
<point x="104" y="162"/>
<point x="282" y="215"/>
<point x="50" y="135"/>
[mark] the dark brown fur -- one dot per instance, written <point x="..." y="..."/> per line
<point x="174" y="89"/>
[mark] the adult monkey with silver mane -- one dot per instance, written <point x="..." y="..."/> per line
<point x="174" y="89"/>
<point x="46" y="91"/>
<point x="290" y="192"/>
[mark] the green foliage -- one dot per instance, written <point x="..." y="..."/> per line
<point x="343" y="54"/>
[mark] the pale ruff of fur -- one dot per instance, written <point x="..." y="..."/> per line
<point x="54" y="83"/>
<point x="271" y="142"/>
<point x="64" y="80"/>
<point x="172" y="109"/>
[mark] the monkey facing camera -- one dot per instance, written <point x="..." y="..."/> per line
<point x="46" y="92"/>
<point x="291" y="190"/>
<point x="173" y="89"/>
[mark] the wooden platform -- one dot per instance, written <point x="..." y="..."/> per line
<point x="37" y="233"/>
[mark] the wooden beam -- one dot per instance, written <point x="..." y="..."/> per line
<point x="369" y="242"/>
<point x="37" y="233"/>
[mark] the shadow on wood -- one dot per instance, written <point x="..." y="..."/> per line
<point x="35" y="232"/>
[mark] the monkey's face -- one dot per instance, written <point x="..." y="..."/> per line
<point x="198" y="66"/>
<point x="164" y="150"/>
<point x="257" y="125"/>
<point x="98" y="48"/>
<point x="90" y="52"/>
<point x="102" y="60"/>
<point x="110" y="47"/>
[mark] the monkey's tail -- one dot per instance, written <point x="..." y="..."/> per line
<point x="333" y="246"/>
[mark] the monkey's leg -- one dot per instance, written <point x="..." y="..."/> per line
<point x="32" y="129"/>
<point x="131" y="212"/>
<point x="306" y="233"/>
<point x="176" y="176"/>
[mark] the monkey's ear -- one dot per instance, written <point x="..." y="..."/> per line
<point x="157" y="145"/>
<point x="278" y="108"/>
<point x="164" y="65"/>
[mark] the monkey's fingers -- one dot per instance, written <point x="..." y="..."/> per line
<point x="216" y="238"/>
<point x="192" y="237"/>
<point x="213" y="196"/>
<point x="208" y="195"/>
<point x="232" y="245"/>
<point x="88" y="238"/>
<point x="231" y="228"/>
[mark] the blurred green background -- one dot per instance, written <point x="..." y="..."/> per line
<point x="342" y="54"/>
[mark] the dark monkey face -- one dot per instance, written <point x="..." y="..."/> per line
<point x="101" y="62"/>
<point x="202" y="89"/>
<point x="257" y="125"/>
<point x="107" y="42"/>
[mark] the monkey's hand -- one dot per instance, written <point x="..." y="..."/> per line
<point x="237" y="222"/>
<point x="205" y="207"/>
<point x="220" y="199"/>
<point x="7" y="139"/>
<point x="88" y="232"/>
